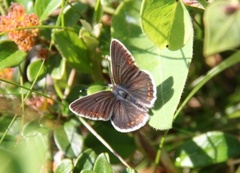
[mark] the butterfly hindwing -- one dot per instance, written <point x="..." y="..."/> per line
<point x="97" y="106"/>
<point x="127" y="117"/>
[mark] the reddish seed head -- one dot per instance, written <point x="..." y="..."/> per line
<point x="17" y="18"/>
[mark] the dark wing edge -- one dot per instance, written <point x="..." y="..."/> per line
<point x="97" y="106"/>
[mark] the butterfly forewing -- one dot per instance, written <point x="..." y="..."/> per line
<point x="128" y="117"/>
<point x="123" y="64"/>
<point x="126" y="74"/>
<point x="97" y="106"/>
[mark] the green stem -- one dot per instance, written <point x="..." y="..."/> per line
<point x="42" y="27"/>
<point x="103" y="141"/>
<point x="2" y="11"/>
<point x="34" y="91"/>
<point x="22" y="99"/>
<point x="159" y="151"/>
<point x="61" y="15"/>
<point x="230" y="61"/>
<point x="35" y="80"/>
<point x="8" y="128"/>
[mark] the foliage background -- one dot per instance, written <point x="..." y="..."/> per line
<point x="38" y="132"/>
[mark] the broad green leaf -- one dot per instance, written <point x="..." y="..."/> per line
<point x="222" y="23"/>
<point x="32" y="150"/>
<point x="73" y="12"/>
<point x="8" y="162"/>
<point x="56" y="66"/>
<point x="166" y="23"/>
<point x="34" y="127"/>
<point x="85" y="161"/>
<point x="36" y="68"/>
<point x="68" y="139"/>
<point x="43" y="8"/>
<point x="66" y="166"/>
<point x="168" y="68"/>
<point x="73" y="49"/>
<point x="206" y="149"/>
<point x="102" y="164"/>
<point x="10" y="56"/>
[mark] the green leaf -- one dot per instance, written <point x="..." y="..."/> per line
<point x="68" y="139"/>
<point x="166" y="23"/>
<point x="5" y="121"/>
<point x="206" y="149"/>
<point x="10" y="56"/>
<point x="34" y="68"/>
<point x="73" y="49"/>
<point x="43" y="8"/>
<point x="34" y="127"/>
<point x="98" y="11"/>
<point x="8" y="162"/>
<point x="28" y="5"/>
<point x="66" y="166"/>
<point x="85" y="161"/>
<point x="73" y="12"/>
<point x="32" y="150"/>
<point x="96" y="88"/>
<point x="86" y="26"/>
<point x="56" y="66"/>
<point x="102" y="164"/>
<point x="8" y="142"/>
<point x="91" y="42"/>
<point x="168" y="68"/>
<point x="222" y="30"/>
<point x="76" y="92"/>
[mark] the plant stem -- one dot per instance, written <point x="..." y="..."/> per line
<point x="103" y="141"/>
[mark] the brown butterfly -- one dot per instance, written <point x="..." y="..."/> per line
<point x="133" y="92"/>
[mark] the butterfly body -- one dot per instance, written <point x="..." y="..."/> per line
<point x="122" y="94"/>
<point x="133" y="93"/>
